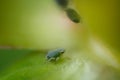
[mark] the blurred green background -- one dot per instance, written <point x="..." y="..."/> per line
<point x="102" y="20"/>
<point x="29" y="28"/>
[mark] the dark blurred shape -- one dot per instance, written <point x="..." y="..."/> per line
<point x="73" y="15"/>
<point x="62" y="3"/>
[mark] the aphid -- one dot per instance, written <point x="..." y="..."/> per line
<point x="62" y="3"/>
<point x="73" y="15"/>
<point x="54" y="54"/>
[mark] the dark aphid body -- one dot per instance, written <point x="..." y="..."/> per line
<point x="54" y="54"/>
<point x="73" y="15"/>
<point x="62" y="3"/>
